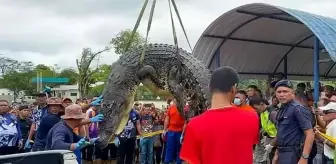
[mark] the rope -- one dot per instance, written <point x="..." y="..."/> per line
<point x="142" y="57"/>
<point x="136" y="25"/>
<point x="180" y="20"/>
<point x="178" y="61"/>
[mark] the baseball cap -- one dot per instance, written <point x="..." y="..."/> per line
<point x="329" y="106"/>
<point x="223" y="79"/>
<point x="283" y="83"/>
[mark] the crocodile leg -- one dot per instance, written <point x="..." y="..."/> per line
<point x="176" y="89"/>
<point x="149" y="78"/>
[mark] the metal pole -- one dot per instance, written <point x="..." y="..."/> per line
<point x="316" y="70"/>
<point x="37" y="81"/>
<point x="218" y="62"/>
<point x="41" y="85"/>
<point x="285" y="62"/>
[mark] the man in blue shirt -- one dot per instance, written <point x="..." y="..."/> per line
<point x="51" y="118"/>
<point x="127" y="138"/>
<point x="295" y="135"/>
<point x="10" y="133"/>
<point x="37" y="114"/>
<point x="62" y="137"/>
<point x="48" y="120"/>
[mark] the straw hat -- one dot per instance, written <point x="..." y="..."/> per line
<point x="54" y="101"/>
<point x="73" y="111"/>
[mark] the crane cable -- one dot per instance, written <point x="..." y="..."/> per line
<point x="149" y="27"/>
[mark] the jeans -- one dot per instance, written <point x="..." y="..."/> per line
<point x="146" y="150"/>
<point x="173" y="147"/>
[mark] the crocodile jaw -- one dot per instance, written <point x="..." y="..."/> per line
<point x="125" y="115"/>
<point x="116" y="118"/>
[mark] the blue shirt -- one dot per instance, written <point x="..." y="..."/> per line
<point x="60" y="137"/>
<point x="37" y="114"/>
<point x="10" y="132"/>
<point x="292" y="120"/>
<point x="47" y="121"/>
<point x="130" y="128"/>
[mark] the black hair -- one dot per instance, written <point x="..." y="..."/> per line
<point x="303" y="85"/>
<point x="301" y="95"/>
<point x="242" y="92"/>
<point x="147" y="105"/>
<point x="260" y="93"/>
<point x="266" y="102"/>
<point x="223" y="79"/>
<point x="329" y="87"/>
<point x="21" y="107"/>
<point x="169" y="101"/>
<point x="256" y="100"/>
<point x="253" y="86"/>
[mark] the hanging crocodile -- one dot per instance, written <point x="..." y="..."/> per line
<point x="160" y="72"/>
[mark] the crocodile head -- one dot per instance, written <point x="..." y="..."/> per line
<point x="115" y="108"/>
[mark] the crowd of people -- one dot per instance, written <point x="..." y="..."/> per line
<point x="34" y="127"/>
<point x="280" y="126"/>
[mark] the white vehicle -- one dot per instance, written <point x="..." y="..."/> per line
<point x="41" y="157"/>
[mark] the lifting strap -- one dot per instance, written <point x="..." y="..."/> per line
<point x="180" y="20"/>
<point x="135" y="28"/>
<point x="178" y="61"/>
<point x="142" y="57"/>
<point x="149" y="26"/>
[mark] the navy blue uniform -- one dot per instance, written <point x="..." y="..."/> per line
<point x="48" y="120"/>
<point x="60" y="137"/>
<point x="293" y="119"/>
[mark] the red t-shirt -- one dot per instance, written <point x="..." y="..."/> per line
<point x="221" y="136"/>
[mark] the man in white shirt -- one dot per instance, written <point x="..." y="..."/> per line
<point x="329" y="112"/>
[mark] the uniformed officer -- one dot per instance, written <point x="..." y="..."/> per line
<point x="295" y="135"/>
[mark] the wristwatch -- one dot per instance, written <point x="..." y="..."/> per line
<point x="305" y="156"/>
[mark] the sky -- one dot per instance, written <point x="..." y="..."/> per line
<point x="55" y="32"/>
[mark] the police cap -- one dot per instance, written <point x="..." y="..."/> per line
<point x="283" y="83"/>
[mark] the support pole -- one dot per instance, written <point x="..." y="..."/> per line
<point x="316" y="71"/>
<point x="37" y="81"/>
<point x="285" y="62"/>
<point x="218" y="58"/>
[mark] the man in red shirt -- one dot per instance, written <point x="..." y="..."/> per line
<point x="223" y="134"/>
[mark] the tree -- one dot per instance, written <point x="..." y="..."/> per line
<point x="9" y="65"/>
<point x="84" y="71"/>
<point x="25" y="66"/>
<point x="69" y="73"/>
<point x="102" y="74"/>
<point x="45" y="70"/>
<point x="17" y="81"/>
<point x="120" y="41"/>
<point x="96" y="90"/>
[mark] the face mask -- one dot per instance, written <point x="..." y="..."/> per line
<point x="237" y="101"/>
